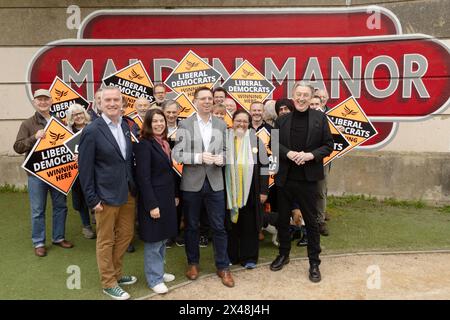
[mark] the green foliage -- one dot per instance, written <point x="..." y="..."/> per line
<point x="11" y="188"/>
<point x="445" y="209"/>
<point x="363" y="200"/>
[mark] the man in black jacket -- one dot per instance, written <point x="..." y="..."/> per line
<point x="305" y="139"/>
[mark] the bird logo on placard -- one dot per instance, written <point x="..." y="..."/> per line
<point x="56" y="137"/>
<point x="185" y="110"/>
<point x="190" y="65"/>
<point x="60" y="94"/>
<point x="246" y="73"/>
<point x="348" y="111"/>
<point x="135" y="75"/>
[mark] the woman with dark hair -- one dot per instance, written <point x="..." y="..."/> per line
<point x="284" y="106"/>
<point x="157" y="200"/>
<point x="246" y="189"/>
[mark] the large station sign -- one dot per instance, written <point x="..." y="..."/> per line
<point x="357" y="52"/>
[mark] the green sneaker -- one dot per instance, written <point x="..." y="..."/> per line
<point x="126" y="280"/>
<point x="117" y="293"/>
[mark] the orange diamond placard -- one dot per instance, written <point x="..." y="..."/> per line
<point x="264" y="135"/>
<point x="63" y="97"/>
<point x="191" y="73"/>
<point x="187" y="107"/>
<point x="228" y="119"/>
<point x="178" y="167"/>
<point x="357" y="126"/>
<point x="247" y="85"/>
<point x="340" y="143"/>
<point x="50" y="160"/>
<point x="134" y="83"/>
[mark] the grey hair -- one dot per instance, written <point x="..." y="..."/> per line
<point x="305" y="84"/>
<point x="111" y="88"/>
<point x="269" y="114"/>
<point x="167" y="103"/>
<point x="73" y="108"/>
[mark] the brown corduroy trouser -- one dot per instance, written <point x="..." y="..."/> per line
<point x="115" y="230"/>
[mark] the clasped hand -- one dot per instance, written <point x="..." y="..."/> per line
<point x="209" y="158"/>
<point x="300" y="157"/>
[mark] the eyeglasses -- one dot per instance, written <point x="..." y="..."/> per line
<point x="78" y="114"/>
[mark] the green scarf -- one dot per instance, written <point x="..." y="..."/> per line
<point x="238" y="172"/>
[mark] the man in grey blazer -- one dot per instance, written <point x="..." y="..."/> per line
<point x="200" y="146"/>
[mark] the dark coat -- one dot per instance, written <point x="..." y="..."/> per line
<point x="259" y="185"/>
<point x="319" y="142"/>
<point x="104" y="174"/>
<point x="156" y="188"/>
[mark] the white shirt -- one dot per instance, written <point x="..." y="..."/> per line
<point x="206" y="133"/>
<point x="171" y="130"/>
<point x="117" y="132"/>
<point x="205" y="130"/>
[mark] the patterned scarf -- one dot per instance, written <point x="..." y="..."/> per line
<point x="164" y="144"/>
<point x="238" y="172"/>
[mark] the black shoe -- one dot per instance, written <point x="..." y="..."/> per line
<point x="314" y="273"/>
<point x="303" y="242"/>
<point x="170" y="243"/>
<point x="279" y="262"/>
<point x="203" y="242"/>
<point x="131" y="248"/>
<point x="323" y="229"/>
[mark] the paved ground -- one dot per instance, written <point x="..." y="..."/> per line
<point x="401" y="276"/>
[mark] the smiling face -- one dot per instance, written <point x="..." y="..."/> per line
<point x="219" y="114"/>
<point x="241" y="123"/>
<point x="302" y="97"/>
<point x="204" y="102"/>
<point x="42" y="104"/>
<point x="219" y="97"/>
<point x="256" y="111"/>
<point x="142" y="105"/>
<point x="316" y="103"/>
<point x="158" y="124"/>
<point x="79" y="119"/>
<point x="112" y="103"/>
<point x="171" y="112"/>
<point x="323" y="95"/>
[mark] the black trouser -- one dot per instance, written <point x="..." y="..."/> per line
<point x="243" y="242"/>
<point x="305" y="194"/>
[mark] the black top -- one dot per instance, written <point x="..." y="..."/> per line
<point x="299" y="132"/>
<point x="319" y="142"/>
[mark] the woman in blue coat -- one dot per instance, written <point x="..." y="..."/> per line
<point x="156" y="197"/>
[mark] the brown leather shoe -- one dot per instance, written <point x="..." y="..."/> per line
<point x="64" y="244"/>
<point x="227" y="279"/>
<point x="40" y="252"/>
<point x="192" y="272"/>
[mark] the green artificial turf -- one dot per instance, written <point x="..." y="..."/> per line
<point x="357" y="224"/>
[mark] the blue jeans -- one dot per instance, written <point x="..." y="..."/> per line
<point x="215" y="206"/>
<point x="37" y="191"/>
<point x="154" y="253"/>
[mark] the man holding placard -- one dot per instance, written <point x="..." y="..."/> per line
<point x="31" y="130"/>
